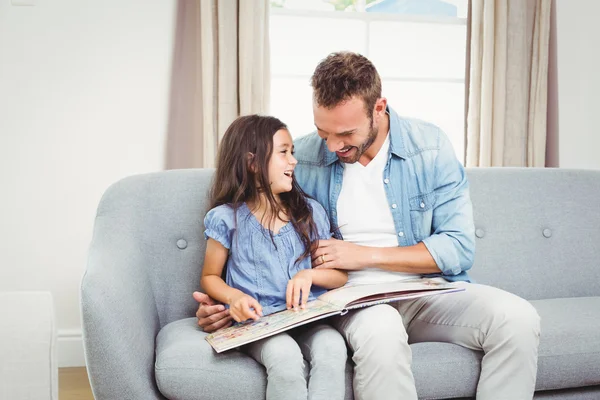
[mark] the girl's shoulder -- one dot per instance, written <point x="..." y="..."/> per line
<point x="315" y="206"/>
<point x="223" y="208"/>
<point x="219" y="224"/>
<point x="223" y="213"/>
<point x="320" y="218"/>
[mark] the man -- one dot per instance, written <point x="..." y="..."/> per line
<point x="399" y="199"/>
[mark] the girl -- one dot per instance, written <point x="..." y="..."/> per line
<point x="260" y="229"/>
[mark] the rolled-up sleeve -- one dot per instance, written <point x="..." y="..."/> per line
<point x="452" y="242"/>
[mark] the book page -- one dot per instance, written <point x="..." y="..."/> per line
<point x="353" y="294"/>
<point x="250" y="331"/>
<point x="397" y="296"/>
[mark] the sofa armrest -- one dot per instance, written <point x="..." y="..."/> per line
<point x="119" y="315"/>
<point x="28" y="365"/>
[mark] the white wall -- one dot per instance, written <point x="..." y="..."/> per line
<point x="84" y="88"/>
<point x="578" y="66"/>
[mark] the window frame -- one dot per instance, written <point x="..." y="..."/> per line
<point x="367" y="18"/>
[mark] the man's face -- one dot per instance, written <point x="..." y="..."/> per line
<point x="346" y="128"/>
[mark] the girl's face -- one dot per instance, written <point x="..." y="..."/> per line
<point x="282" y="163"/>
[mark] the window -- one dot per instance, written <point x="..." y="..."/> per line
<point x="418" y="47"/>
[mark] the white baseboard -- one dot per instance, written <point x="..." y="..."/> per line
<point x="70" y="348"/>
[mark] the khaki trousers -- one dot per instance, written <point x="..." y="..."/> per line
<point x="504" y="326"/>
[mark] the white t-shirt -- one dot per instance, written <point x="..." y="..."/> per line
<point x="364" y="215"/>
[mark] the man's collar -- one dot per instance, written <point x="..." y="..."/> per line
<point x="397" y="133"/>
<point x="330" y="157"/>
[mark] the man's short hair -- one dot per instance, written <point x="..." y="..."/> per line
<point x="343" y="75"/>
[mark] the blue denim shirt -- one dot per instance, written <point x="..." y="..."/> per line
<point x="255" y="266"/>
<point x="425" y="185"/>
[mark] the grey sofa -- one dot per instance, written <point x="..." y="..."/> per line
<point x="538" y="235"/>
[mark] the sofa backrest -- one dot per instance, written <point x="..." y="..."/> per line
<point x="155" y="223"/>
<point x="537" y="230"/>
<point x="538" y="233"/>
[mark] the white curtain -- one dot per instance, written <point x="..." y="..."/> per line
<point x="507" y="95"/>
<point x="220" y="71"/>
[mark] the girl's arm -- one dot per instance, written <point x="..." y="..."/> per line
<point x="334" y="278"/>
<point x="241" y="305"/>
<point x="298" y="287"/>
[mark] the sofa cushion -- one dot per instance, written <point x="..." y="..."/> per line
<point x="569" y="352"/>
<point x="188" y="368"/>
<point x="445" y="370"/>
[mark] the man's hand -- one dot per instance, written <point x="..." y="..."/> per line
<point x="298" y="286"/>
<point x="339" y="254"/>
<point x="243" y="307"/>
<point x="211" y="316"/>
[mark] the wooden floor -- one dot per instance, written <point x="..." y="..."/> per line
<point x="73" y="384"/>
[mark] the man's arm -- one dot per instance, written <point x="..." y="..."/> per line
<point x="449" y="249"/>
<point x="349" y="256"/>
<point x="211" y="315"/>
<point x="452" y="242"/>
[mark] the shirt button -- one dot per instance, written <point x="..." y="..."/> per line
<point x="386" y="180"/>
<point x="422" y="205"/>
<point x="394" y="205"/>
<point x="400" y="234"/>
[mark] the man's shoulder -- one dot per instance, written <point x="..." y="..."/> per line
<point x="309" y="149"/>
<point x="419" y="135"/>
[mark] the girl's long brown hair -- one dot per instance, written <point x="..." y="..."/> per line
<point x="242" y="172"/>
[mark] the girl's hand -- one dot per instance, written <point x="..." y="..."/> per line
<point x="243" y="307"/>
<point x="298" y="289"/>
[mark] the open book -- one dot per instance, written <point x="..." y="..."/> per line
<point x="334" y="302"/>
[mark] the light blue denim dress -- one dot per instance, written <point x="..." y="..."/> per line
<point x="255" y="265"/>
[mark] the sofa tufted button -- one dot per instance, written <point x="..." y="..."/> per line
<point x="479" y="233"/>
<point x="182" y="244"/>
<point x="547" y="233"/>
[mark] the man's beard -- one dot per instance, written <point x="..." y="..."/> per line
<point x="360" y="150"/>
